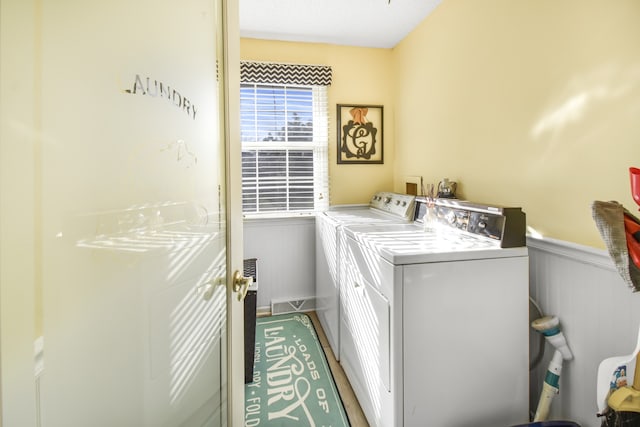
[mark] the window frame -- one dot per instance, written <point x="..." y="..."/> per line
<point x="318" y="146"/>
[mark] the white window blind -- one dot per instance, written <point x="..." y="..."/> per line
<point x="285" y="136"/>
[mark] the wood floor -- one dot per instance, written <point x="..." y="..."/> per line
<point x="351" y="405"/>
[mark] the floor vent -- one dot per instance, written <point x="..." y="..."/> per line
<point x="293" y="306"/>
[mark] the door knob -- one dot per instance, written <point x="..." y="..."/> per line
<point x="241" y="284"/>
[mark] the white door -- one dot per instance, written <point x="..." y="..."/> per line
<point x="114" y="221"/>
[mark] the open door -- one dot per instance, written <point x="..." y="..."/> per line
<point x="114" y="226"/>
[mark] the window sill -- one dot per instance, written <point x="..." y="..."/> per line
<point x="279" y="215"/>
<point x="257" y="220"/>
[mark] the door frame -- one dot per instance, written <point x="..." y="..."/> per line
<point x="233" y="149"/>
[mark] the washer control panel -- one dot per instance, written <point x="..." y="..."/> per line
<point x="401" y="205"/>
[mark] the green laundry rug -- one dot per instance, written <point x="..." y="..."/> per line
<point x="292" y="384"/>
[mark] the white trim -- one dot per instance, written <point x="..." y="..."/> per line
<point x="574" y="251"/>
<point x="289" y="220"/>
<point x="279" y="215"/>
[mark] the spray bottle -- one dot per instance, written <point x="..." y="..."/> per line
<point x="549" y="326"/>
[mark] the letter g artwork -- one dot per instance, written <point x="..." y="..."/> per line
<point x="360" y="134"/>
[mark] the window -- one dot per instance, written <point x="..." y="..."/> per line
<point x="284" y="132"/>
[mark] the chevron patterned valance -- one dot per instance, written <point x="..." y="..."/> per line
<point x="285" y="74"/>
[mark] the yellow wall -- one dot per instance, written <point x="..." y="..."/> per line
<point x="360" y="76"/>
<point x="533" y="103"/>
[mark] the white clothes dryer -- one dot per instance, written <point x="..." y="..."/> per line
<point x="383" y="208"/>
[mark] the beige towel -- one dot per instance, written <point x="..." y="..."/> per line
<point x="609" y="218"/>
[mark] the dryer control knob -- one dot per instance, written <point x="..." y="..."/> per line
<point x="451" y="217"/>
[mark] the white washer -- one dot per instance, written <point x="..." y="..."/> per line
<point x="434" y="325"/>
<point x="384" y="207"/>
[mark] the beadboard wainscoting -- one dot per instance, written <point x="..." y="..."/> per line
<point x="598" y="313"/>
<point x="285" y="250"/>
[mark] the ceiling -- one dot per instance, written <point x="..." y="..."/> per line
<point x="366" y="23"/>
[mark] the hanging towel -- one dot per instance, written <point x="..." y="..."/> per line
<point x="609" y="218"/>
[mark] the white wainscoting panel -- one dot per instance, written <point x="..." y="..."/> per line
<point x="285" y="249"/>
<point x="598" y="313"/>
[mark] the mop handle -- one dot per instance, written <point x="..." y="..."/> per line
<point x="550" y="387"/>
